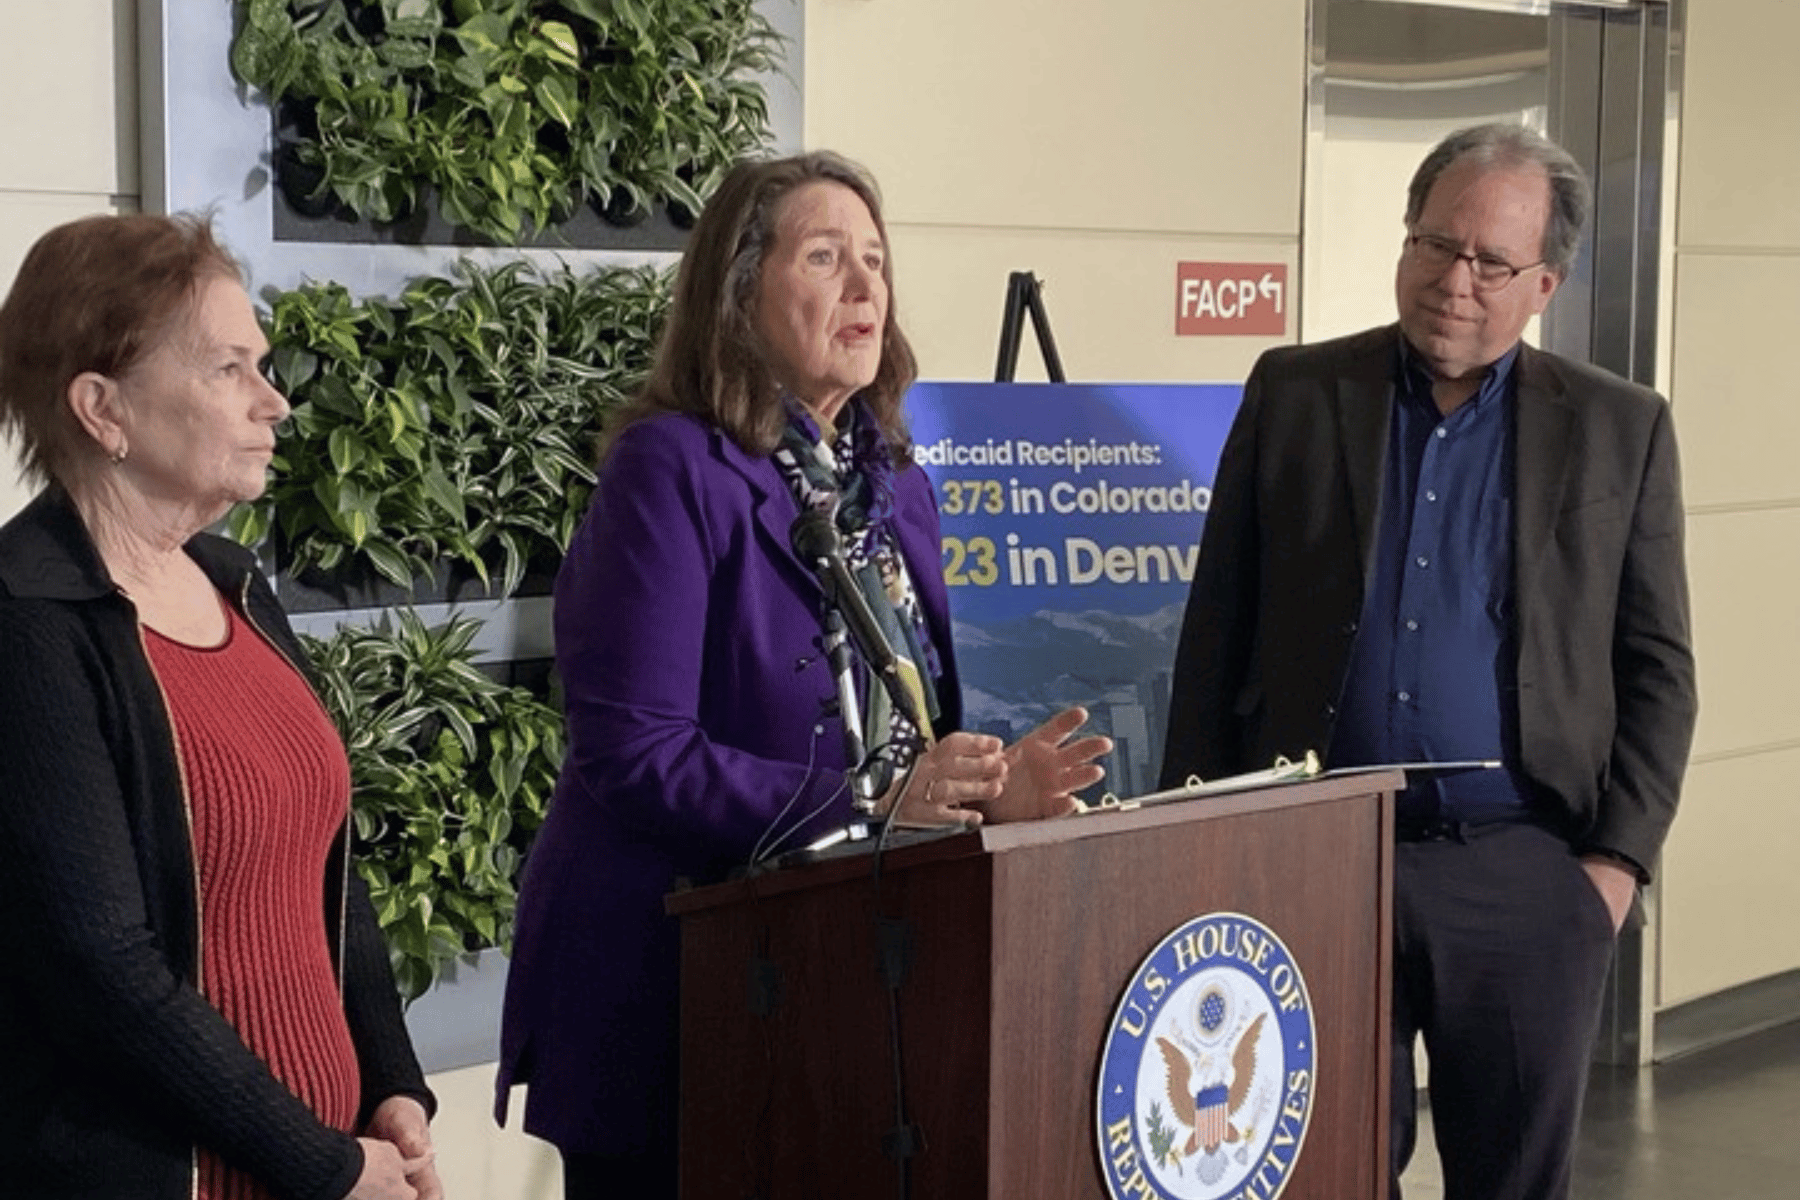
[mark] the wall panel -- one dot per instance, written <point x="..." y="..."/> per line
<point x="1736" y="411"/>
<point x="1740" y="155"/>
<point x="1153" y="114"/>
<point x="1728" y="877"/>
<point x="68" y="96"/>
<point x="1745" y="579"/>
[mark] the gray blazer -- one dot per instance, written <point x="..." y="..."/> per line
<point x="1605" y="667"/>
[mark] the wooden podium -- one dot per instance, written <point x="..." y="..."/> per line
<point x="1018" y="945"/>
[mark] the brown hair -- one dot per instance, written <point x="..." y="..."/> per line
<point x="711" y="361"/>
<point x="92" y="295"/>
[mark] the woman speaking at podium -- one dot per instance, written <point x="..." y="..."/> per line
<point x="706" y="720"/>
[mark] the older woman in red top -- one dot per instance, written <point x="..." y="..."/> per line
<point x="197" y="1001"/>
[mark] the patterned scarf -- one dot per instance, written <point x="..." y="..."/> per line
<point x="851" y="476"/>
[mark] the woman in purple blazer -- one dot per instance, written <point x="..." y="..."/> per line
<point x="704" y="722"/>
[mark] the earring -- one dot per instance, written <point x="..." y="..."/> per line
<point x="118" y="456"/>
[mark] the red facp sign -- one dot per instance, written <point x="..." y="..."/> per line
<point x="1230" y="299"/>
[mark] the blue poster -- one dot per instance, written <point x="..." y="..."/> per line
<point x="1071" y="519"/>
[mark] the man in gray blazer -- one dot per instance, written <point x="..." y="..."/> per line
<point x="1430" y="542"/>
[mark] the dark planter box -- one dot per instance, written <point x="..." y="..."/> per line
<point x="355" y="585"/>
<point x="585" y="229"/>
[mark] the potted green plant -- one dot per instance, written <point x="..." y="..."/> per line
<point x="453" y="771"/>
<point x="454" y="424"/>
<point x="507" y="111"/>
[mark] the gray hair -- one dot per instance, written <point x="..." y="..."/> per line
<point x="1498" y="147"/>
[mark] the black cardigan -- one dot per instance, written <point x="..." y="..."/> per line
<point x="113" y="1067"/>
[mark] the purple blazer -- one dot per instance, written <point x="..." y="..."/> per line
<point x="687" y="642"/>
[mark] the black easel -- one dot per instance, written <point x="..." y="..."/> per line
<point x="1024" y="294"/>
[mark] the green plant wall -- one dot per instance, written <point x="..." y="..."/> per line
<point x="456" y="423"/>
<point x="511" y="112"/>
<point x="451" y="429"/>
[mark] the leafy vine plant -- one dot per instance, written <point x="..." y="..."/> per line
<point x="513" y="112"/>
<point x="456" y="423"/>
<point x="453" y="771"/>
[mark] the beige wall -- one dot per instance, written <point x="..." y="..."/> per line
<point x="1729" y="888"/>
<point x="1097" y="145"/>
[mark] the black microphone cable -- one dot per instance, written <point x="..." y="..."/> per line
<point x="815" y="540"/>
<point x="893" y="951"/>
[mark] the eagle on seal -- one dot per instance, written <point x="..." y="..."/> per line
<point x="1209" y="1111"/>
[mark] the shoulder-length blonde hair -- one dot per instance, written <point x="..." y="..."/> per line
<point x="711" y="361"/>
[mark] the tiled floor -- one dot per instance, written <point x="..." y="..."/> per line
<point x="1719" y="1124"/>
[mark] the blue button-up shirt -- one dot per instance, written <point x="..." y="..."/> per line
<point x="1432" y="672"/>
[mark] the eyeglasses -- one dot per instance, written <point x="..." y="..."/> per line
<point x="1489" y="271"/>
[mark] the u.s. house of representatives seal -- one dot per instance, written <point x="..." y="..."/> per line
<point x="1206" y="1086"/>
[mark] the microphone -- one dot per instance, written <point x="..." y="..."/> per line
<point x="815" y="539"/>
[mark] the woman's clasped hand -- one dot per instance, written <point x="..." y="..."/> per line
<point x="398" y="1160"/>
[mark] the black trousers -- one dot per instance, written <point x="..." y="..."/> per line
<point x="619" y="1177"/>
<point x="1502" y="945"/>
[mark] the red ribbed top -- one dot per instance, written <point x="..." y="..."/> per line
<point x="269" y="787"/>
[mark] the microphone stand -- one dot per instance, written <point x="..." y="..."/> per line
<point x="838" y="657"/>
<point x="815" y="540"/>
